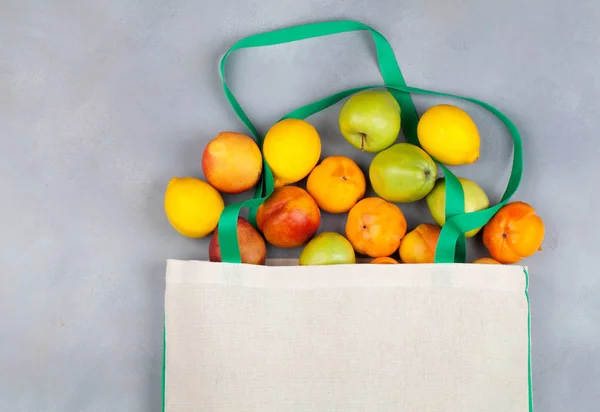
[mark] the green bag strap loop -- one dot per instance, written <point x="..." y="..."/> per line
<point x="388" y="64"/>
<point x="451" y="243"/>
<point x="390" y="72"/>
<point x="459" y="223"/>
<point x="454" y="227"/>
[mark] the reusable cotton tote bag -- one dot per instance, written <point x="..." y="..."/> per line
<point x="445" y="337"/>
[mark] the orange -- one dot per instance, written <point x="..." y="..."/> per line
<point x="418" y="246"/>
<point x="486" y="261"/>
<point x="336" y="184"/>
<point x="515" y="232"/>
<point x="375" y="227"/>
<point x="384" y="261"/>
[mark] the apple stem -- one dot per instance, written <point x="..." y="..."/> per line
<point x="362" y="142"/>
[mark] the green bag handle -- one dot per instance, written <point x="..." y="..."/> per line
<point x="451" y="244"/>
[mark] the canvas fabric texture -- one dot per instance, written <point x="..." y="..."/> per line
<point x="427" y="338"/>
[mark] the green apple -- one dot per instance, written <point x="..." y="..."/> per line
<point x="370" y="120"/>
<point x="327" y="248"/>
<point x="475" y="199"/>
<point x="402" y="173"/>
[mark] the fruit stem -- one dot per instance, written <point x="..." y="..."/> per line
<point x="362" y="141"/>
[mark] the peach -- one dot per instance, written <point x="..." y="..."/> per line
<point x="232" y="162"/>
<point x="418" y="246"/>
<point x="289" y="217"/>
<point x="252" y="246"/>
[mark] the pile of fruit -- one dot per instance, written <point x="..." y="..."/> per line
<point x="375" y="226"/>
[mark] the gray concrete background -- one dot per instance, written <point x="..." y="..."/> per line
<point x="102" y="102"/>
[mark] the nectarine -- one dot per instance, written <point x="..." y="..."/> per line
<point x="289" y="217"/>
<point x="252" y="246"/>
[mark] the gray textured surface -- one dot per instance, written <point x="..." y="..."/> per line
<point x="101" y="103"/>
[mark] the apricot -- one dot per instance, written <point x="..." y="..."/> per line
<point x="486" y="261"/>
<point x="336" y="184"/>
<point x="384" y="261"/>
<point x="418" y="246"/>
<point x="515" y="232"/>
<point x="375" y="227"/>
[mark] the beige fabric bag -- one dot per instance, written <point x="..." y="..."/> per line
<point x="426" y="338"/>
<point x="412" y="338"/>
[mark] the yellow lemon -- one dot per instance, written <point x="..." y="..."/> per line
<point x="449" y="134"/>
<point x="292" y="149"/>
<point x="192" y="206"/>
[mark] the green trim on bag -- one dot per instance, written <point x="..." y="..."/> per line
<point x="529" y="372"/>
<point x="451" y="246"/>
<point x="164" y="363"/>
